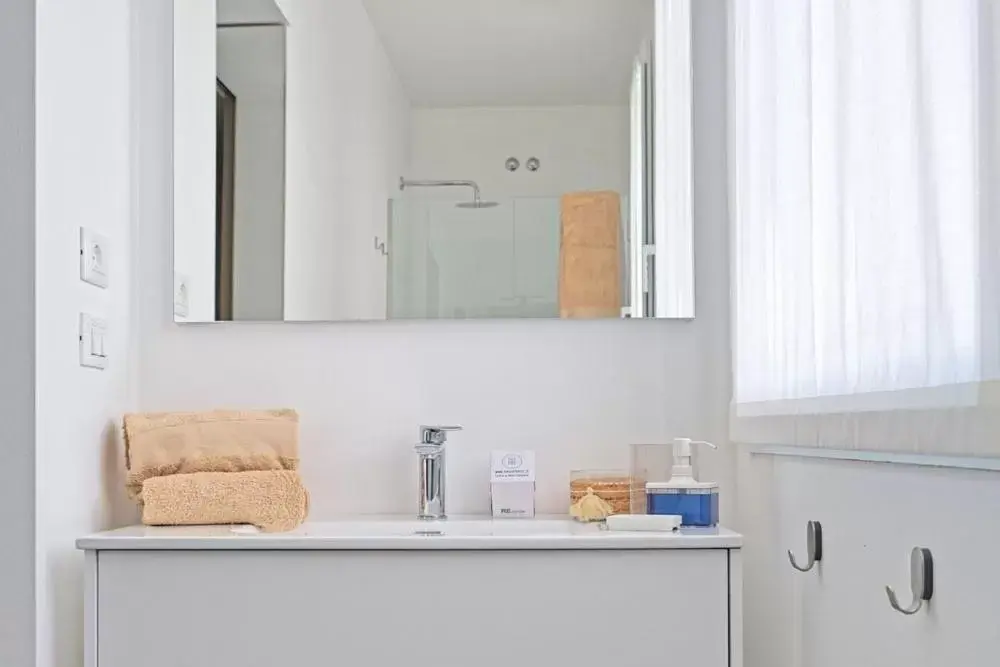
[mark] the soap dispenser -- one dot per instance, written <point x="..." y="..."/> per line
<point x="697" y="503"/>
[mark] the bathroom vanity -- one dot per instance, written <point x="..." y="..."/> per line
<point x="421" y="594"/>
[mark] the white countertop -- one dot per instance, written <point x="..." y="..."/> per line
<point x="403" y="533"/>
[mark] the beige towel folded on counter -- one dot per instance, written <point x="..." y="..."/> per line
<point x="176" y="443"/>
<point x="272" y="500"/>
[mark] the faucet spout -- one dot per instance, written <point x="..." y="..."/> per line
<point x="431" y="456"/>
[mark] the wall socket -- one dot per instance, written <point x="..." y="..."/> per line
<point x="95" y="258"/>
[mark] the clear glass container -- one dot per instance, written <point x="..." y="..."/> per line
<point x="647" y="463"/>
<point x="611" y="486"/>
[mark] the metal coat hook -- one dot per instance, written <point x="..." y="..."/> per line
<point x="921" y="582"/>
<point x="814" y="546"/>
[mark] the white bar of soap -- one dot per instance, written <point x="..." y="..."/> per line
<point x="660" y="523"/>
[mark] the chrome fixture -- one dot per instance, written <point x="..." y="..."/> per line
<point x="380" y="246"/>
<point x="512" y="164"/>
<point x="534" y="164"/>
<point x="921" y="582"/>
<point x="477" y="204"/>
<point x="430" y="452"/>
<point x="814" y="547"/>
<point x="477" y="201"/>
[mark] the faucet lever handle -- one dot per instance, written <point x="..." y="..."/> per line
<point x="436" y="435"/>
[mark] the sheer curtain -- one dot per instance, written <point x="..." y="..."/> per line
<point x="863" y="139"/>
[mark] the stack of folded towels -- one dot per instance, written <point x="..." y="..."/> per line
<point x="221" y="467"/>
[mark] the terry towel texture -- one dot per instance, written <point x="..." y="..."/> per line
<point x="590" y="256"/>
<point x="272" y="500"/>
<point x="221" y="467"/>
<point x="161" y="444"/>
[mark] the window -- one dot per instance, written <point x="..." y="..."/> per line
<point x="862" y="139"/>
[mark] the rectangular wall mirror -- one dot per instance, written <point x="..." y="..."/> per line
<point x="434" y="159"/>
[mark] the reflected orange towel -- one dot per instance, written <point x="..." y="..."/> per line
<point x="272" y="500"/>
<point x="590" y="256"/>
<point x="160" y="444"/>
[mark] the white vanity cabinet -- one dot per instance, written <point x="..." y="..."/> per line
<point x="470" y="593"/>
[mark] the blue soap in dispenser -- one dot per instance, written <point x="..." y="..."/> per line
<point x="697" y="503"/>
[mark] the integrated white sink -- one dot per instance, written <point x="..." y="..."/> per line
<point x="401" y="533"/>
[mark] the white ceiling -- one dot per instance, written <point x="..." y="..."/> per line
<point x="452" y="53"/>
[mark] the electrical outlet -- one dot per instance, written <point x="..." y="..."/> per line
<point x="182" y="295"/>
<point x="95" y="258"/>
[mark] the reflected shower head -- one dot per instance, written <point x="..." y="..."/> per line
<point x="477" y="204"/>
<point x="477" y="201"/>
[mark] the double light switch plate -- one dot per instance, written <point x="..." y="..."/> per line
<point x="93" y="342"/>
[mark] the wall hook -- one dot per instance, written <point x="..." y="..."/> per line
<point x="921" y="582"/>
<point x="380" y="246"/>
<point x="814" y="547"/>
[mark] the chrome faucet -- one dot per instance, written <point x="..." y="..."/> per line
<point x="430" y="451"/>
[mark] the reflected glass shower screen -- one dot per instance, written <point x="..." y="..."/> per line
<point x="447" y="262"/>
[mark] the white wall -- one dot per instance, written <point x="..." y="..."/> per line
<point x="576" y="392"/>
<point x="581" y="148"/>
<point x="251" y="63"/>
<point x="710" y="169"/>
<point x="83" y="162"/>
<point x="17" y="336"/>
<point x="348" y="129"/>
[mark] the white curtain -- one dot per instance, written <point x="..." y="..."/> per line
<point x="863" y="139"/>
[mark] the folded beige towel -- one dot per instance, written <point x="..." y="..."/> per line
<point x="590" y="256"/>
<point x="160" y="444"/>
<point x="272" y="500"/>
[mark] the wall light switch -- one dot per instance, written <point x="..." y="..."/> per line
<point x="95" y="258"/>
<point x="93" y="342"/>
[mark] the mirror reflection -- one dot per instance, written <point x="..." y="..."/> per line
<point x="455" y="159"/>
<point x="250" y="171"/>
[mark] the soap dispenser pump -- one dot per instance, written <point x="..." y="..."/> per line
<point x="697" y="503"/>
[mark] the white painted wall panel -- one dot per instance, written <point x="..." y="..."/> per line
<point x="872" y="516"/>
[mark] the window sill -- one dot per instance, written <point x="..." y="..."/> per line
<point x="964" y="395"/>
